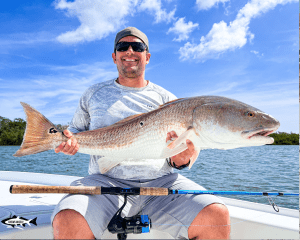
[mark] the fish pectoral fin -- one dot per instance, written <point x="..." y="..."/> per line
<point x="194" y="157"/>
<point x="105" y="164"/>
<point x="181" y="139"/>
<point x="167" y="152"/>
<point x="179" y="145"/>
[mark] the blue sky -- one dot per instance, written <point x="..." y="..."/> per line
<point x="51" y="51"/>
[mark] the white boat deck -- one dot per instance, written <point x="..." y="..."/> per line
<point x="248" y="220"/>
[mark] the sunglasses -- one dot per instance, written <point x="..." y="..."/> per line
<point x="136" y="46"/>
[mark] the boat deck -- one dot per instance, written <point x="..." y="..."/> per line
<point x="248" y="220"/>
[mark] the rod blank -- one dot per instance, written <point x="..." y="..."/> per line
<point x="147" y="191"/>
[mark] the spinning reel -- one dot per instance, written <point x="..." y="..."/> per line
<point x="136" y="224"/>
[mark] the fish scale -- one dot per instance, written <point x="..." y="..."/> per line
<point x="208" y="121"/>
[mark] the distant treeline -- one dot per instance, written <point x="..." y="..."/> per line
<point x="11" y="133"/>
<point x="282" y="138"/>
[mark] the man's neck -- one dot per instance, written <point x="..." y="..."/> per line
<point x="132" y="82"/>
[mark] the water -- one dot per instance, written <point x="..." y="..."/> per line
<point x="261" y="169"/>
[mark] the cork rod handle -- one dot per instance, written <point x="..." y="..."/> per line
<point x="154" y="191"/>
<point x="16" y="189"/>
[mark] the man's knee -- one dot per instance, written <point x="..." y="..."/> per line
<point x="71" y="224"/>
<point x="212" y="222"/>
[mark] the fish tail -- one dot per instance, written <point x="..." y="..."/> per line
<point x="39" y="133"/>
<point x="33" y="221"/>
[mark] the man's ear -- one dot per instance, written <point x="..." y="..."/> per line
<point x="114" y="57"/>
<point x="148" y="55"/>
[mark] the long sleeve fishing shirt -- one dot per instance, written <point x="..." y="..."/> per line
<point x="108" y="102"/>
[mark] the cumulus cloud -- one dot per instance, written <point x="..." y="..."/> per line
<point x="99" y="18"/>
<point x="182" y="29"/>
<point x="223" y="37"/>
<point x="155" y="7"/>
<point x="207" y="4"/>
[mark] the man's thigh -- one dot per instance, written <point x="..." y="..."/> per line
<point x="175" y="213"/>
<point x="97" y="210"/>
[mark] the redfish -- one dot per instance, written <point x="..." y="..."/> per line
<point x="210" y="122"/>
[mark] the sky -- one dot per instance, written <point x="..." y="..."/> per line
<point x="51" y="51"/>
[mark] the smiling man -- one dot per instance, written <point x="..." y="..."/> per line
<point x="86" y="216"/>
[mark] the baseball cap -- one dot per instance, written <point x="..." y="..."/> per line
<point x="131" y="31"/>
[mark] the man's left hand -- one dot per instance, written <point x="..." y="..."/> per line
<point x="183" y="157"/>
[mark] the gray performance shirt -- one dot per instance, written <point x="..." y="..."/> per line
<point x="109" y="102"/>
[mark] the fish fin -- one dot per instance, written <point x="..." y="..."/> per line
<point x="105" y="164"/>
<point x="167" y="103"/>
<point x="127" y="119"/>
<point x="38" y="134"/>
<point x="181" y="139"/>
<point x="194" y="157"/>
<point x="178" y="145"/>
<point x="33" y="221"/>
<point x="23" y="225"/>
<point x="14" y="216"/>
<point x="167" y="152"/>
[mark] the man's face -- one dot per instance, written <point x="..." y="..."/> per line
<point x="131" y="64"/>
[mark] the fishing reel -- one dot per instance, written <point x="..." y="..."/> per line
<point x="136" y="224"/>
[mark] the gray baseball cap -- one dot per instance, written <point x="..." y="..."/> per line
<point x="131" y="31"/>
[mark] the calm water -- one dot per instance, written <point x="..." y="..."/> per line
<point x="266" y="168"/>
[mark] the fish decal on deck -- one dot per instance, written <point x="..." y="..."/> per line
<point x="16" y="221"/>
<point x="210" y="122"/>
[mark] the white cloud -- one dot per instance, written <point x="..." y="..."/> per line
<point x="182" y="29"/>
<point x="207" y="4"/>
<point x="155" y="6"/>
<point x="257" y="53"/>
<point x="99" y="18"/>
<point x="223" y="37"/>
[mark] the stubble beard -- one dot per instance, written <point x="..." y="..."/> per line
<point x="134" y="72"/>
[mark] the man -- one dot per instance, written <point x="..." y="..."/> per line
<point x="86" y="216"/>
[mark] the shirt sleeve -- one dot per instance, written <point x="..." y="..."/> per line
<point x="81" y="119"/>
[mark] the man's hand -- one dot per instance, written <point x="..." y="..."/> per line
<point x="183" y="157"/>
<point x="70" y="147"/>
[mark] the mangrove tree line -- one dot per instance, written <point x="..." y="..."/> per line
<point x="11" y="133"/>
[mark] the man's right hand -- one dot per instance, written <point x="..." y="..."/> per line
<point x="69" y="147"/>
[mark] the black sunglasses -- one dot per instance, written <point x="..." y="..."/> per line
<point x="136" y="46"/>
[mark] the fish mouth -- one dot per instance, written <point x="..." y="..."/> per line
<point x="258" y="133"/>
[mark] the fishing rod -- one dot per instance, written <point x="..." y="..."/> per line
<point x="138" y="223"/>
<point x="146" y="191"/>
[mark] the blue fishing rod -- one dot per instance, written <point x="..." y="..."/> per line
<point x="197" y="192"/>
<point x="138" y="223"/>
<point x="153" y="191"/>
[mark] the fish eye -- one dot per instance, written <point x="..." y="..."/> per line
<point x="250" y="114"/>
<point x="52" y="130"/>
<point x="141" y="124"/>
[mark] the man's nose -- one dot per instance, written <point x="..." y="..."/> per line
<point x="129" y="50"/>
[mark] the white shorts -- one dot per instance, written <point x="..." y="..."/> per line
<point x="173" y="213"/>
